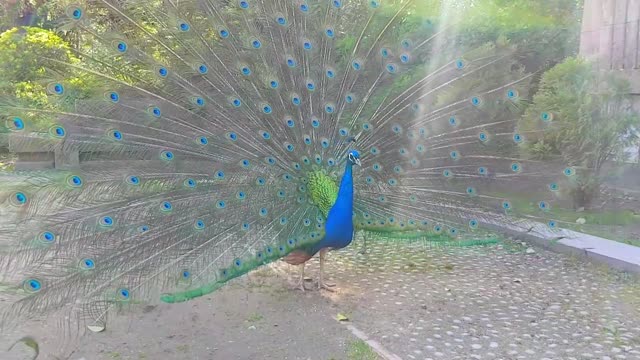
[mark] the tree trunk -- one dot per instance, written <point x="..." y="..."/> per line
<point x="584" y="195"/>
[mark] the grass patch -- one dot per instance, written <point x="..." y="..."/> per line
<point x="182" y="348"/>
<point x="255" y="317"/>
<point x="597" y="223"/>
<point x="523" y="205"/>
<point x="359" y="350"/>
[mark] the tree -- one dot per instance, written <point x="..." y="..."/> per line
<point x="584" y="117"/>
<point x="26" y="72"/>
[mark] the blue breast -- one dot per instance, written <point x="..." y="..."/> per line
<point x="339" y="225"/>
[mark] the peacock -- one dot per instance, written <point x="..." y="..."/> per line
<point x="191" y="142"/>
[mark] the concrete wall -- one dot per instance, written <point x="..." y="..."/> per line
<point x="611" y="37"/>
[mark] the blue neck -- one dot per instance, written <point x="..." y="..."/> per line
<point x="345" y="194"/>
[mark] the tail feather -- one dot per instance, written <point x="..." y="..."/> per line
<point x="210" y="135"/>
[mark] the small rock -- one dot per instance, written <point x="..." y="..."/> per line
<point x="530" y="251"/>
<point x="96" y="328"/>
<point x="252" y="327"/>
<point x="581" y="221"/>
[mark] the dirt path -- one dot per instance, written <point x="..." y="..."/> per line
<point x="256" y="318"/>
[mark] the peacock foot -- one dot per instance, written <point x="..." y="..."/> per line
<point x="299" y="285"/>
<point x="326" y="286"/>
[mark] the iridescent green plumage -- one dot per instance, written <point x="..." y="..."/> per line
<point x="322" y="190"/>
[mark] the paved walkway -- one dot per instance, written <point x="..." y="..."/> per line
<point x="495" y="302"/>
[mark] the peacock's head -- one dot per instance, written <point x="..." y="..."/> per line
<point x="354" y="157"/>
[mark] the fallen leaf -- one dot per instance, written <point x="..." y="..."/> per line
<point x="30" y="342"/>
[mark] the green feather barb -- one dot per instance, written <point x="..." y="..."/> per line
<point x="323" y="191"/>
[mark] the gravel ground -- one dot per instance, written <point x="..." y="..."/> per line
<point x="497" y="302"/>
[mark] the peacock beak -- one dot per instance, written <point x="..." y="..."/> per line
<point x="358" y="162"/>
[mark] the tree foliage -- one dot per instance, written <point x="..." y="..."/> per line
<point x="31" y="59"/>
<point x="589" y="120"/>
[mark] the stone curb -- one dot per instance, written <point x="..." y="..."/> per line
<point x="615" y="254"/>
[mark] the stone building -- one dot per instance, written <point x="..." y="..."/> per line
<point x="611" y="38"/>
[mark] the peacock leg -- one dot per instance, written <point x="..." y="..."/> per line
<point x="364" y="245"/>
<point x="300" y="284"/>
<point x="321" y="283"/>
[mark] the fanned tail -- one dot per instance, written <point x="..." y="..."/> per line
<point x="203" y="139"/>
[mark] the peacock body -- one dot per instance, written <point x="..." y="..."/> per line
<point x="212" y="137"/>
